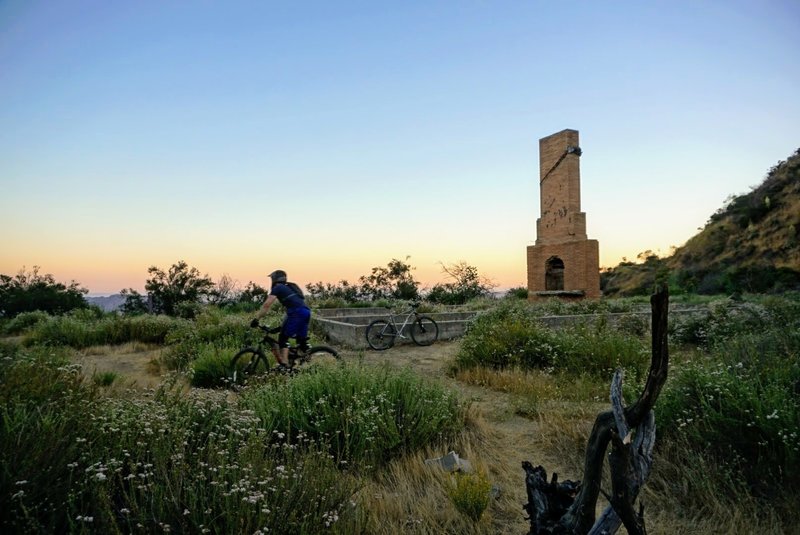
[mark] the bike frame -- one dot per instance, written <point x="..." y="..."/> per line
<point x="399" y="330"/>
<point x="270" y="344"/>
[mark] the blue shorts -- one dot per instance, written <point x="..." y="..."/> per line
<point x="295" y="325"/>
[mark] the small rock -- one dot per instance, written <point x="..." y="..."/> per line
<point x="451" y="463"/>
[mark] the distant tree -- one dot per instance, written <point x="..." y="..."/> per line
<point x="253" y="293"/>
<point x="393" y="281"/>
<point x="342" y="290"/>
<point x="177" y="292"/>
<point x="519" y="292"/>
<point x="29" y="291"/>
<point x="226" y="291"/>
<point x="466" y="284"/>
<point x="134" y="304"/>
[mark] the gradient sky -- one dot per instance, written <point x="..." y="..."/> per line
<point x="326" y="138"/>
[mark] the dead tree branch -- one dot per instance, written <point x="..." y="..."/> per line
<point x="629" y="463"/>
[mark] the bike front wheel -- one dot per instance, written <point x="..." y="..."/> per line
<point x="246" y="363"/>
<point x="381" y="335"/>
<point x="424" y="331"/>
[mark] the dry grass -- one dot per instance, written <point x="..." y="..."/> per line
<point x="411" y="497"/>
<point x="674" y="490"/>
<point x="136" y="363"/>
<point x="530" y="390"/>
<point x="128" y="348"/>
<point x="680" y="482"/>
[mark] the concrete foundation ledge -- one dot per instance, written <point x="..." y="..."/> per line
<point x="351" y="330"/>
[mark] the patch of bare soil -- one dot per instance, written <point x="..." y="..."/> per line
<point x="136" y="365"/>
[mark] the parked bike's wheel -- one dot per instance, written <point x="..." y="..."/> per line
<point x="381" y="335"/>
<point x="244" y="363"/>
<point x="424" y="331"/>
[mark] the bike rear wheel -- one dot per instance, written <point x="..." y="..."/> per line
<point x="246" y="363"/>
<point x="424" y="331"/>
<point x="381" y="335"/>
<point x="317" y="355"/>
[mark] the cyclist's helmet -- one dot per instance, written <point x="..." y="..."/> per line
<point x="277" y="276"/>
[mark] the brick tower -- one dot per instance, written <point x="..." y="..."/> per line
<point x="563" y="262"/>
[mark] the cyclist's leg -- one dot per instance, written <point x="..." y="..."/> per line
<point x="302" y="331"/>
<point x="282" y="352"/>
<point x="295" y="326"/>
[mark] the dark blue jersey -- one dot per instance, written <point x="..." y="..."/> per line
<point x="289" y="294"/>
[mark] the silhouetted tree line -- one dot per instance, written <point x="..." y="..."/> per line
<point x="29" y="290"/>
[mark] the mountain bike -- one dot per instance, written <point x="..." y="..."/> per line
<point x="381" y="333"/>
<point x="253" y="359"/>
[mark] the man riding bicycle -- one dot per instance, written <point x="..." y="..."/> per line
<point x="298" y="315"/>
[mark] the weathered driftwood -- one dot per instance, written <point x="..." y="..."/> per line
<point x="629" y="461"/>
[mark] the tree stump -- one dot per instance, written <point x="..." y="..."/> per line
<point x="569" y="507"/>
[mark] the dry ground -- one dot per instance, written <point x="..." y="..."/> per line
<point x="137" y="365"/>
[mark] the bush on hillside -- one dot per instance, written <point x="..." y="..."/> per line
<point x="520" y="292"/>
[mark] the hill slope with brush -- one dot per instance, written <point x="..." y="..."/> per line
<point x="751" y="244"/>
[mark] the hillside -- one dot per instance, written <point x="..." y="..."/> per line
<point x="107" y="302"/>
<point x="751" y="244"/>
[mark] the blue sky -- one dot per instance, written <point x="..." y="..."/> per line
<point x="326" y="138"/>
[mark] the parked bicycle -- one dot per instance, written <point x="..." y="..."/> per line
<point x="381" y="334"/>
<point x="252" y="360"/>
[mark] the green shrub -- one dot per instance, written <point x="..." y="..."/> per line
<point x="90" y="313"/>
<point x="365" y="416"/>
<point x="211" y="367"/>
<point x="79" y="332"/>
<point x="599" y="350"/>
<point x="634" y="324"/>
<point x="741" y="406"/>
<point x="470" y="494"/>
<point x="214" y="329"/>
<point x="104" y="378"/>
<point x="520" y="292"/>
<point x="24" y="321"/>
<point x="726" y="318"/>
<point x="511" y="336"/>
